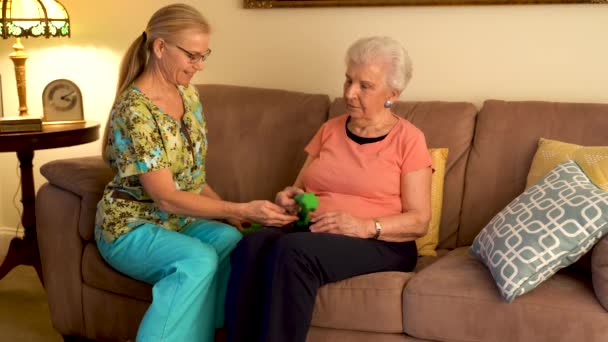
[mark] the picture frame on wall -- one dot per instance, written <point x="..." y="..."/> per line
<point x="344" y="3"/>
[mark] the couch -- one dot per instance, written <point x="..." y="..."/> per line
<point x="256" y="140"/>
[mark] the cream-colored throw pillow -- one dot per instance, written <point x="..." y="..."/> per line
<point x="550" y="153"/>
<point x="427" y="244"/>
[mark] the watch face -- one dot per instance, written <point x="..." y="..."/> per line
<point x="62" y="101"/>
<point x="62" y="96"/>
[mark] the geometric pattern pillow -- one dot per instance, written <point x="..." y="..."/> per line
<point x="592" y="159"/>
<point x="428" y="243"/>
<point x="548" y="227"/>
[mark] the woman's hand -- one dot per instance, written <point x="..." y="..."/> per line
<point x="285" y="199"/>
<point x="338" y="222"/>
<point x="267" y="213"/>
<point x="236" y="223"/>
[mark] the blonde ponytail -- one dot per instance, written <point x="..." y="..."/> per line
<point x="131" y="66"/>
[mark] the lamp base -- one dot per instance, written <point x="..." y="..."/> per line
<point x="17" y="124"/>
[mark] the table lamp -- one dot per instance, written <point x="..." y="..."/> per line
<point x="29" y="18"/>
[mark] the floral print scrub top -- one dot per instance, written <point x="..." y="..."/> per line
<point x="143" y="138"/>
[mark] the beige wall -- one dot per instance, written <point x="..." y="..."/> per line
<point x="545" y="52"/>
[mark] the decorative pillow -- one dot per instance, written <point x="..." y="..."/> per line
<point x="427" y="244"/>
<point x="599" y="268"/>
<point x="592" y="159"/>
<point x="548" y="227"/>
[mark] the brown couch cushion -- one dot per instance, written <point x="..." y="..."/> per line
<point x="359" y="303"/>
<point x="370" y="302"/>
<point x="506" y="139"/>
<point x="317" y="334"/>
<point x="445" y="124"/>
<point x="110" y="317"/>
<point x="455" y="299"/>
<point x="98" y="274"/>
<point x="257" y="138"/>
<point x="599" y="267"/>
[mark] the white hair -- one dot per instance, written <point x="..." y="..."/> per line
<point x="370" y="49"/>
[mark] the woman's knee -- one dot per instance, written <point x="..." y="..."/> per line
<point x="231" y="235"/>
<point x="294" y="249"/>
<point x="254" y="243"/>
<point x="221" y="236"/>
<point x="295" y="242"/>
<point x="228" y="238"/>
<point x="200" y="259"/>
<point x="293" y="259"/>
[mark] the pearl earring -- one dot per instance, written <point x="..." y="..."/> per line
<point x="388" y="104"/>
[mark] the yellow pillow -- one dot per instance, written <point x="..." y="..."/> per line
<point x="427" y="244"/>
<point x="592" y="159"/>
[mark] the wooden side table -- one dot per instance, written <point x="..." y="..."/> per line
<point x="24" y="251"/>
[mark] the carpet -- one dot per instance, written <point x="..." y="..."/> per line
<point x="24" y="313"/>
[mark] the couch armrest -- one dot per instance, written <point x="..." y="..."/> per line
<point x="82" y="176"/>
<point x="65" y="218"/>
<point x="61" y="248"/>
<point x="599" y="271"/>
<point x="85" y="177"/>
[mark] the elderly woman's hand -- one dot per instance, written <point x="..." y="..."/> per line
<point x="285" y="199"/>
<point x="338" y="222"/>
<point x="267" y="213"/>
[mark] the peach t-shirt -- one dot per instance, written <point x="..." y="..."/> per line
<point x="363" y="180"/>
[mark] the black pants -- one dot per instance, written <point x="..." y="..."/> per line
<point x="276" y="274"/>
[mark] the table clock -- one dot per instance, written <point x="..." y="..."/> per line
<point x="62" y="102"/>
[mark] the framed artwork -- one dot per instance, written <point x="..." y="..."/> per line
<point x="338" y="3"/>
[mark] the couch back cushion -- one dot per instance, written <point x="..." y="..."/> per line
<point x="445" y="124"/>
<point x="257" y="138"/>
<point x="506" y="139"/>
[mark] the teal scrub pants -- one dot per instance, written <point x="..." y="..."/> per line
<point x="189" y="272"/>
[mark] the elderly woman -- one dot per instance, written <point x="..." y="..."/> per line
<point x="371" y="171"/>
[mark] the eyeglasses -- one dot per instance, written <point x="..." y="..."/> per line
<point x="194" y="57"/>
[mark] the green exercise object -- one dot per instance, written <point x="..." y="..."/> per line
<point x="308" y="202"/>
<point x="250" y="227"/>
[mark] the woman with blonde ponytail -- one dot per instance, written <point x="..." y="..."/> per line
<point x="154" y="221"/>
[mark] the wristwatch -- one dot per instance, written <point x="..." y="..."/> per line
<point x="378" y="229"/>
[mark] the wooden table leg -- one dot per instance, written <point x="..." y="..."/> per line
<point x="24" y="251"/>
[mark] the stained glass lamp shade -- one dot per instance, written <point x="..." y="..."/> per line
<point x="30" y="18"/>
